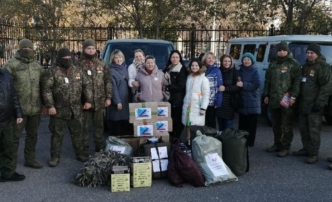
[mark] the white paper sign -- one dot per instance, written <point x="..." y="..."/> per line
<point x="66" y="80"/>
<point x="162" y="111"/>
<point x="162" y="153"/>
<point x="145" y="130"/>
<point x="162" y="125"/>
<point x="119" y="149"/>
<point x="216" y="164"/>
<point x="143" y="113"/>
<point x="156" y="165"/>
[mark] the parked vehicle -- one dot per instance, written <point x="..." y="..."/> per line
<point x="265" y="51"/>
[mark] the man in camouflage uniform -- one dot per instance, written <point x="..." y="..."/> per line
<point x="282" y="76"/>
<point x="62" y="87"/>
<point x="99" y="76"/>
<point x="26" y="74"/>
<point x="315" y="90"/>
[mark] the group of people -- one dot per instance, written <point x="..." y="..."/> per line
<point x="76" y="94"/>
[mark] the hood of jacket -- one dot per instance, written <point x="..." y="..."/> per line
<point x="22" y="59"/>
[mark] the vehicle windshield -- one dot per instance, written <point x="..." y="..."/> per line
<point x="299" y="51"/>
<point x="159" y="51"/>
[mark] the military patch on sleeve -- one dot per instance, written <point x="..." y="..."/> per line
<point x="77" y="75"/>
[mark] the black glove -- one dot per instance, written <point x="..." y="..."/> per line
<point x="315" y="108"/>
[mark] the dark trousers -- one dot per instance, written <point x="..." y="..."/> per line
<point x="97" y="119"/>
<point x="249" y="124"/>
<point x="7" y="168"/>
<point x="120" y="127"/>
<point x="282" y="123"/>
<point x="210" y="117"/>
<point x="225" y="123"/>
<point x="310" y="127"/>
<point x="176" y="114"/>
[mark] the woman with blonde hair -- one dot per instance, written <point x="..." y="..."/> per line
<point x="118" y="112"/>
<point x="135" y="67"/>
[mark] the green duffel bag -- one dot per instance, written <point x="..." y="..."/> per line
<point x="235" y="150"/>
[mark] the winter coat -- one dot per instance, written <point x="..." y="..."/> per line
<point x="315" y="86"/>
<point x="26" y="75"/>
<point x="215" y="80"/>
<point x="177" y="86"/>
<point x="98" y="74"/>
<point x="197" y="96"/>
<point x="120" y="94"/>
<point x="132" y="72"/>
<point x="9" y="104"/>
<point x="150" y="86"/>
<point x="230" y="77"/>
<point x="282" y="76"/>
<point x="250" y="91"/>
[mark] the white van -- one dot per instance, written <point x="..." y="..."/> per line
<point x="263" y="48"/>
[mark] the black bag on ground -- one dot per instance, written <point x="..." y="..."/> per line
<point x="206" y="130"/>
<point x="235" y="150"/>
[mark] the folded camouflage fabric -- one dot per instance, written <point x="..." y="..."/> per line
<point x="97" y="169"/>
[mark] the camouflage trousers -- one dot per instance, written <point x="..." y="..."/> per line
<point x="310" y="126"/>
<point x="58" y="128"/>
<point x="7" y="168"/>
<point x="30" y="124"/>
<point x="282" y="124"/>
<point x="97" y="119"/>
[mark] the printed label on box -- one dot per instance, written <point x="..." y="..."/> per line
<point x="119" y="149"/>
<point x="162" y="125"/>
<point x="156" y="165"/>
<point x="162" y="112"/>
<point x="143" y="113"/>
<point x="162" y="153"/>
<point x="142" y="174"/>
<point x="216" y="164"/>
<point x="145" y="130"/>
<point x="120" y="182"/>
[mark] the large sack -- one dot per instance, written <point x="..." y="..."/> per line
<point x="118" y="145"/>
<point x="206" y="152"/>
<point x="183" y="169"/>
<point x="235" y="150"/>
<point x="190" y="132"/>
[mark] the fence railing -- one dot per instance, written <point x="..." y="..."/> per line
<point x="190" y="40"/>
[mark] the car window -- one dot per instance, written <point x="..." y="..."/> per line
<point x="261" y="53"/>
<point x="159" y="51"/>
<point x="249" y="48"/>
<point x="235" y="51"/>
<point x="273" y="53"/>
<point x="299" y="51"/>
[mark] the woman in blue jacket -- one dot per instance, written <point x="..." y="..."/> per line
<point x="213" y="73"/>
<point x="250" y="82"/>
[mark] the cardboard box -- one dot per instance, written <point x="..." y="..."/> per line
<point x="142" y="171"/>
<point x="142" y="111"/>
<point x="164" y="110"/>
<point x="132" y="141"/>
<point x="164" y="125"/>
<point x="145" y="129"/>
<point x="120" y="179"/>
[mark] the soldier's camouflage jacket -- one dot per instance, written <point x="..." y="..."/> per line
<point x="282" y="77"/>
<point x="63" y="89"/>
<point x="97" y="72"/>
<point x="316" y="85"/>
<point x="26" y="74"/>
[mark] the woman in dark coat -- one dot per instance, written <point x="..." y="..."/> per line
<point x="118" y="111"/>
<point x="225" y="113"/>
<point x="176" y="74"/>
<point x="249" y="84"/>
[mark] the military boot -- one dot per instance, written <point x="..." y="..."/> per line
<point x="15" y="177"/>
<point x="54" y="162"/>
<point x="283" y="153"/>
<point x="301" y="152"/>
<point x="329" y="159"/>
<point x="33" y="164"/>
<point x="82" y="157"/>
<point x="312" y="159"/>
<point x="274" y="148"/>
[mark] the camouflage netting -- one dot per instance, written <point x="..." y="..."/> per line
<point x="97" y="169"/>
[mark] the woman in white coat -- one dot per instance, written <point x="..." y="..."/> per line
<point x="197" y="95"/>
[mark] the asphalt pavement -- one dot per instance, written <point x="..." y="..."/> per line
<point x="270" y="178"/>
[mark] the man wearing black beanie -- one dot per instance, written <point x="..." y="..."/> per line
<point x="26" y="74"/>
<point x="315" y="90"/>
<point x="62" y="87"/>
<point x="282" y="80"/>
<point x="97" y="72"/>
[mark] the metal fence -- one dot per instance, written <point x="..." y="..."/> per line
<point x="190" y="40"/>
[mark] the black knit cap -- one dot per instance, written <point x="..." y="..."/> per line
<point x="62" y="52"/>
<point x="25" y="43"/>
<point x="89" y="42"/>
<point x="314" y="48"/>
<point x="282" y="46"/>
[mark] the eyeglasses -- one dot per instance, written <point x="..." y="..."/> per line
<point x="149" y="57"/>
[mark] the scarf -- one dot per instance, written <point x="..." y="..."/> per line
<point x="138" y="65"/>
<point x="121" y="69"/>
